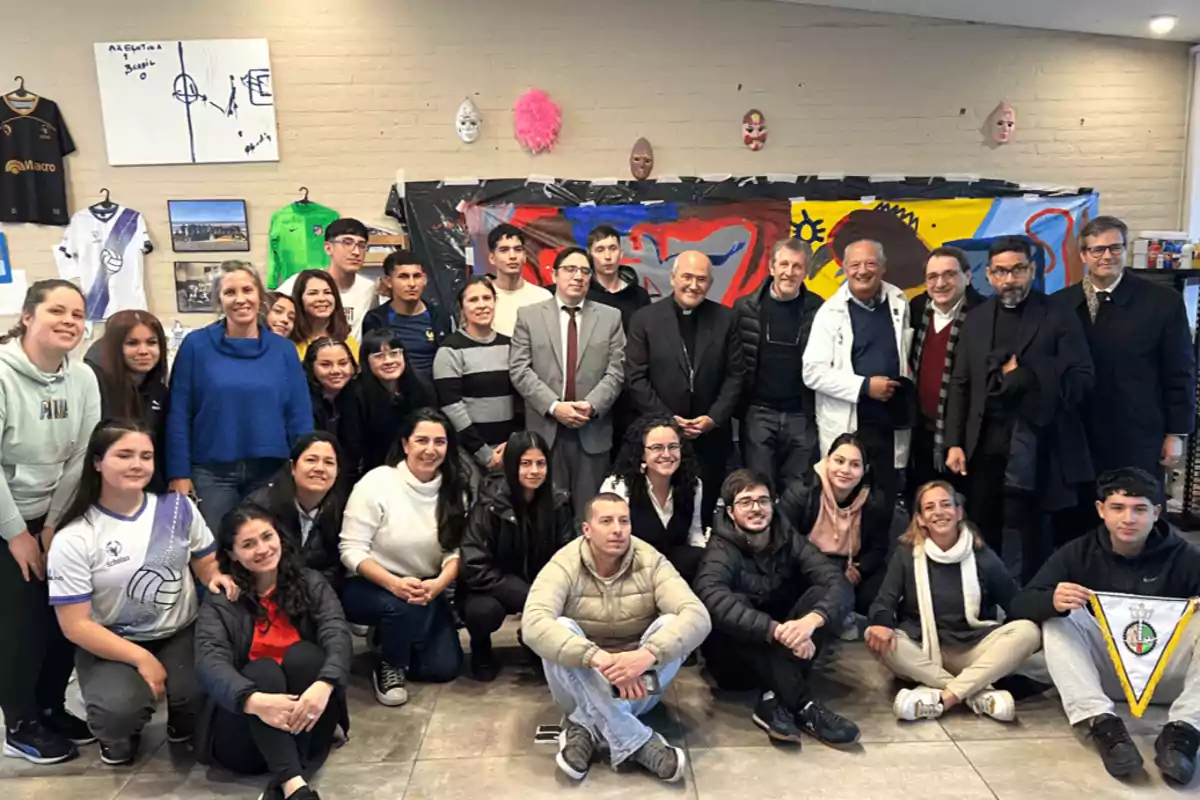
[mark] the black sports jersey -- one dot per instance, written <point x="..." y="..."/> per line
<point x="33" y="141"/>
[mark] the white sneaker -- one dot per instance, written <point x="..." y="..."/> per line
<point x="923" y="702"/>
<point x="995" y="703"/>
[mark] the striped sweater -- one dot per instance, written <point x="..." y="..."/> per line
<point x="473" y="388"/>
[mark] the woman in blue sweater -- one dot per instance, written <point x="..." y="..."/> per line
<point x="238" y="400"/>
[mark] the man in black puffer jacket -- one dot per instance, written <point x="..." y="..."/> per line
<point x="771" y="596"/>
<point x="778" y="433"/>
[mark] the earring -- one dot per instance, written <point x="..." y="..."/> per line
<point x="643" y="466"/>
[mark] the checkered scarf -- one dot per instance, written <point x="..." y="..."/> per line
<point x="923" y="326"/>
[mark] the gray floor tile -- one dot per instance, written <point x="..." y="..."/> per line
<point x="363" y="781"/>
<point x="90" y="787"/>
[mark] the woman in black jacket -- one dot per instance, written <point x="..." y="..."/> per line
<point x="847" y="518"/>
<point x="130" y="362"/>
<point x="378" y="401"/>
<point x="329" y="366"/>
<point x="519" y="521"/>
<point x="274" y="664"/>
<point x="307" y="497"/>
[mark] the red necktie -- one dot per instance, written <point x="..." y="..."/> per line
<point x="572" y="354"/>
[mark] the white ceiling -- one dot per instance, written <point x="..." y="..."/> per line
<point x="1113" y="17"/>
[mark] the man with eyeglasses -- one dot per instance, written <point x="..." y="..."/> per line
<point x="770" y="594"/>
<point x="1144" y="401"/>
<point x="857" y="364"/>
<point x="346" y="244"/>
<point x="1013" y="427"/>
<point x="567" y="359"/>
<point x="685" y="360"/>
<point x="937" y="317"/>
<point x="778" y="433"/>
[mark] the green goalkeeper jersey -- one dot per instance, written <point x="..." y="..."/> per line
<point x="297" y="241"/>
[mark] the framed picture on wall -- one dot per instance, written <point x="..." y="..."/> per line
<point x="193" y="286"/>
<point x="208" y="226"/>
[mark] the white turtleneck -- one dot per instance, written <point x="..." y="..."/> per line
<point x="391" y="517"/>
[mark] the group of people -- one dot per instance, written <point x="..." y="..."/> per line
<point x="318" y="460"/>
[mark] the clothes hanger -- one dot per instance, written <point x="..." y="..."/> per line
<point x="105" y="204"/>
<point x="20" y="92"/>
<point x="304" y="200"/>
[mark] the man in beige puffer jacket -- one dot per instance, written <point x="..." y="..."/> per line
<point x="613" y="621"/>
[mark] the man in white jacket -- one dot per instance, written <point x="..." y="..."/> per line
<point x="857" y="351"/>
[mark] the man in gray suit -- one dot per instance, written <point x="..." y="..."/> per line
<point x="567" y="359"/>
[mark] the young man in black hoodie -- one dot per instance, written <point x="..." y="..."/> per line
<point x="1132" y="552"/>
<point x="770" y="595"/>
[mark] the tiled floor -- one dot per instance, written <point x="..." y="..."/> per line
<point x="466" y="740"/>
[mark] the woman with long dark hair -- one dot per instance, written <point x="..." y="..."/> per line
<point x="123" y="561"/>
<point x="519" y="521"/>
<point x="657" y="474"/>
<point x="319" y="311"/>
<point x="238" y="400"/>
<point x="379" y="401"/>
<point x="49" y="404"/>
<point x="308" y="498"/>
<point x="329" y="366"/>
<point x="274" y="663"/>
<point x="400" y="540"/>
<point x="848" y="518"/>
<point x="130" y="362"/>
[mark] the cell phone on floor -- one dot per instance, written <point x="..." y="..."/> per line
<point x="649" y="681"/>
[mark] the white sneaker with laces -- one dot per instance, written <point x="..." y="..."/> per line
<point x="923" y="702"/>
<point x="995" y="703"/>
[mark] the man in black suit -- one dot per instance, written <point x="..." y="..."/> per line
<point x="1144" y="402"/>
<point x="684" y="358"/>
<point x="1012" y="415"/>
<point x="937" y="316"/>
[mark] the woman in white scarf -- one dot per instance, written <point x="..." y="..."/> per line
<point x="935" y="619"/>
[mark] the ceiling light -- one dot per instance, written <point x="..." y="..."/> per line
<point x="1163" y="24"/>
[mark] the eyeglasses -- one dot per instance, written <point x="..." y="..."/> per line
<point x="351" y="244"/>
<point x="386" y="355"/>
<point x="659" y="449"/>
<point x="573" y="271"/>
<point x="1099" y="250"/>
<point x="747" y="503"/>
<point x="1019" y="271"/>
<point x="942" y="277"/>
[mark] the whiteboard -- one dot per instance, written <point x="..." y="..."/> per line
<point x="207" y="101"/>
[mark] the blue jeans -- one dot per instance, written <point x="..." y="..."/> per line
<point x="586" y="697"/>
<point x="221" y="486"/>
<point x="421" y="640"/>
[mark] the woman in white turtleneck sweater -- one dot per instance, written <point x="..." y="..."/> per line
<point x="400" y="537"/>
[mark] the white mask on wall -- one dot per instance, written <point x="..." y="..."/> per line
<point x="467" y="121"/>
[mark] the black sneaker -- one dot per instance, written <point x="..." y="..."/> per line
<point x="33" y="741"/>
<point x="484" y="667"/>
<point x="119" y="754"/>
<point x="180" y="726"/>
<point x="66" y="724"/>
<point x="661" y="759"/>
<point x="305" y="792"/>
<point x="575" y="751"/>
<point x="1175" y="752"/>
<point x="390" y="684"/>
<point x="1118" y="752"/>
<point x="828" y="726"/>
<point x="777" y="721"/>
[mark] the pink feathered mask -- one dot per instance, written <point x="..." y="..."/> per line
<point x="537" y="120"/>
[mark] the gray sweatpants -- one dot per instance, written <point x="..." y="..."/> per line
<point x="1083" y="673"/>
<point x="118" y="700"/>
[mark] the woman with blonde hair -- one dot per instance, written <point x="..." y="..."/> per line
<point x="935" y="620"/>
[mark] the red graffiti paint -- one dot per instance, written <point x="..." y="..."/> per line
<point x="1055" y="258"/>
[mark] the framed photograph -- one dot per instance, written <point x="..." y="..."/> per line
<point x="193" y="286"/>
<point x="208" y="226"/>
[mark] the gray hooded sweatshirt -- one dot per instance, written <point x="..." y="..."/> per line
<point x="46" y="420"/>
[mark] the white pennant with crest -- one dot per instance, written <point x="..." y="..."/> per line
<point x="1141" y="633"/>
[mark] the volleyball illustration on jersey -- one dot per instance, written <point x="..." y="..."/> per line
<point x="155" y="585"/>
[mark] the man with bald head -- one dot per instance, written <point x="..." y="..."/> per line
<point x="857" y="359"/>
<point x="684" y="360"/>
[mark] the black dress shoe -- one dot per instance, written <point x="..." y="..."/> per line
<point x="1175" y="752"/>
<point x="1117" y="750"/>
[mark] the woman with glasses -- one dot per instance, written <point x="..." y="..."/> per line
<point x="848" y="518"/>
<point x="470" y="373"/>
<point x="329" y="366"/>
<point x="378" y="402"/>
<point x="656" y="473"/>
<point x="319" y="312"/>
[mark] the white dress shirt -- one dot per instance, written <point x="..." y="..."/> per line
<point x="940" y="320"/>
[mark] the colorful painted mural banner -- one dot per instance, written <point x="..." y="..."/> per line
<point x="738" y="231"/>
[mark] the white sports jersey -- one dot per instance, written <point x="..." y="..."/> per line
<point x="103" y="251"/>
<point x="133" y="570"/>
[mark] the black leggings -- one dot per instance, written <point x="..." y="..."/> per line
<point x="484" y="612"/>
<point x="244" y="744"/>
<point x="35" y="658"/>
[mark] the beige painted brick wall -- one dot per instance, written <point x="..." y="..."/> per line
<point x="364" y="87"/>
